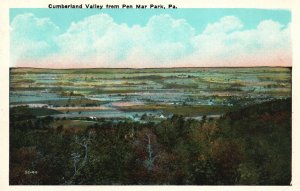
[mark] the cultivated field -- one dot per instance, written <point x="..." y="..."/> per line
<point x="131" y="93"/>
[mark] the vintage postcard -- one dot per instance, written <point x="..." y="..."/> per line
<point x="136" y="94"/>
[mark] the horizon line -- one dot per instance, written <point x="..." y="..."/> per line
<point x="14" y="67"/>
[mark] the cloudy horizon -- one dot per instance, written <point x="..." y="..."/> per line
<point x="102" y="40"/>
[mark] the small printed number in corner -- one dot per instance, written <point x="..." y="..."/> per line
<point x="31" y="172"/>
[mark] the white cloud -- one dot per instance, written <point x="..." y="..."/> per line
<point x="268" y="44"/>
<point x="31" y="37"/>
<point x="110" y="44"/>
<point x="98" y="41"/>
<point x="29" y="27"/>
<point x="226" y="24"/>
<point x="165" y="28"/>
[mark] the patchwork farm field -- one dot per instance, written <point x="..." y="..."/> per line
<point x="189" y="92"/>
<point x="175" y="126"/>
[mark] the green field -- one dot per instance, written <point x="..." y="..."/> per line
<point x="183" y="91"/>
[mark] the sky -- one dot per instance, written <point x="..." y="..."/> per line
<point x="151" y="38"/>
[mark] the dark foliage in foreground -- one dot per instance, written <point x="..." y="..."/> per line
<point x="248" y="146"/>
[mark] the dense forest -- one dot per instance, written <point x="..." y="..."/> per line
<point x="247" y="146"/>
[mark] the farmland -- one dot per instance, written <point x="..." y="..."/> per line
<point x="167" y="126"/>
<point x="123" y="92"/>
